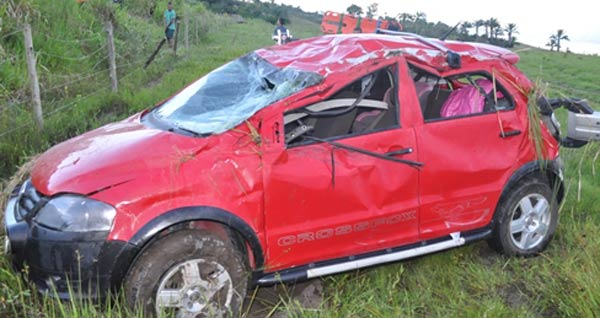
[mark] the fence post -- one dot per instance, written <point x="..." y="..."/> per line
<point x="33" y="78"/>
<point x="111" y="54"/>
<point x="196" y="31"/>
<point x="186" y="21"/>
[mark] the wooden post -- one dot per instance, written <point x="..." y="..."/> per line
<point x="175" y="39"/>
<point x="196" y="33"/>
<point x="108" y="27"/>
<point x="33" y="78"/>
<point x="186" y="22"/>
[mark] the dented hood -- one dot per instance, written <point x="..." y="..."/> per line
<point x="109" y="156"/>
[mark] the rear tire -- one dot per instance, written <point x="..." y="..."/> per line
<point x="525" y="219"/>
<point x="188" y="273"/>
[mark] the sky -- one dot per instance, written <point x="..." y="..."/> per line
<point x="536" y="20"/>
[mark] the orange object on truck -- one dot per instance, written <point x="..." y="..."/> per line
<point x="335" y="23"/>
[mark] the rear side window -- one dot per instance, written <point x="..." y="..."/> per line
<point x="459" y="95"/>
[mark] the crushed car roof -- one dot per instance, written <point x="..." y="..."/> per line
<point x="338" y="53"/>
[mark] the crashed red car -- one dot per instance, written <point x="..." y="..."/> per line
<point x="292" y="162"/>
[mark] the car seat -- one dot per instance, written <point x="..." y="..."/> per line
<point x="423" y="89"/>
<point x="376" y="118"/>
<point x="435" y="100"/>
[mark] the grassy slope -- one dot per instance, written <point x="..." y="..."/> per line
<point x="474" y="281"/>
<point x="467" y="282"/>
<point x="86" y="103"/>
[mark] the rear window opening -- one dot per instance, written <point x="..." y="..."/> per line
<point x="458" y="95"/>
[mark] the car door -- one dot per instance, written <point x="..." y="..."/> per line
<point x="350" y="186"/>
<point x="468" y="157"/>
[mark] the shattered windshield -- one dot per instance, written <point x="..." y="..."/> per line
<point x="227" y="96"/>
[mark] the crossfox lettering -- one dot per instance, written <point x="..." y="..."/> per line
<point x="344" y="229"/>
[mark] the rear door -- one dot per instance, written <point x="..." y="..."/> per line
<point x="468" y="157"/>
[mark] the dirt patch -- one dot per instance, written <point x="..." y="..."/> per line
<point x="153" y="82"/>
<point x="513" y="296"/>
<point x="268" y="302"/>
<point x="487" y="256"/>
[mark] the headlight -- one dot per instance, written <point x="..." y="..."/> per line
<point x="72" y="213"/>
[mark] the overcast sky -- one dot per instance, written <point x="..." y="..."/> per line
<point x="535" y="20"/>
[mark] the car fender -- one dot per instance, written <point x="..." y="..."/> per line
<point x="550" y="168"/>
<point x="200" y="213"/>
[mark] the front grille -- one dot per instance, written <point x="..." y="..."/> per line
<point x="29" y="201"/>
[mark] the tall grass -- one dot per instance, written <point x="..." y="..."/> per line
<point x="471" y="281"/>
<point x="76" y="98"/>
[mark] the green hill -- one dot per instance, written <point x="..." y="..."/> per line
<point x="467" y="282"/>
<point x="72" y="64"/>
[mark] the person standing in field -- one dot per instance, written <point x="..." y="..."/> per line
<point x="170" y="23"/>
<point x="281" y="34"/>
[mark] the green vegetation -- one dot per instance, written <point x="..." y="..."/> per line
<point x="268" y="11"/>
<point x="472" y="281"/>
<point x="554" y="40"/>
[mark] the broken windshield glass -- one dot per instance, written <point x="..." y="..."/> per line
<point x="227" y="96"/>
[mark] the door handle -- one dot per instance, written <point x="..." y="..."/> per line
<point x="399" y="152"/>
<point x="510" y="133"/>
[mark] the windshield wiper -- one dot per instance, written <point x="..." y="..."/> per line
<point x="189" y="131"/>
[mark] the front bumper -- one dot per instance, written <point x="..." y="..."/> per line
<point x="66" y="264"/>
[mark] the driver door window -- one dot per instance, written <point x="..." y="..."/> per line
<point x="366" y="105"/>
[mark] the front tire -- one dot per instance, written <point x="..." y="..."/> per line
<point x="525" y="219"/>
<point x="188" y="273"/>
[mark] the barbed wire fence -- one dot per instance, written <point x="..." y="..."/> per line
<point x="17" y="103"/>
<point x="193" y="29"/>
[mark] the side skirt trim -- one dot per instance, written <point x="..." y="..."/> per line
<point x="361" y="261"/>
<point x="455" y="241"/>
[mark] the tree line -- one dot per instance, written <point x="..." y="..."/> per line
<point x="268" y="11"/>
<point x="480" y="30"/>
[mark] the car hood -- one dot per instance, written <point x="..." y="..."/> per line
<point x="109" y="156"/>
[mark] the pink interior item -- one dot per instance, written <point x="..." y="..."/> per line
<point x="467" y="99"/>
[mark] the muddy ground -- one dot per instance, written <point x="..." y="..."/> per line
<point x="267" y="301"/>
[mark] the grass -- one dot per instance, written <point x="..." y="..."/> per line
<point x="471" y="281"/>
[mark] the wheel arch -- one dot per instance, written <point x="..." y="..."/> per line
<point x="547" y="171"/>
<point x="551" y="169"/>
<point x="185" y="215"/>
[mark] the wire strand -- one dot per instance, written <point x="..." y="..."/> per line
<point x="67" y="58"/>
<point x="11" y="33"/>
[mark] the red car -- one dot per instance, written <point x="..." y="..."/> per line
<point x="292" y="162"/>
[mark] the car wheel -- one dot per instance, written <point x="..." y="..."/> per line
<point x="188" y="273"/>
<point x="525" y="219"/>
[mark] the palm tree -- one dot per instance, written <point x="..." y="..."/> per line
<point x="551" y="42"/>
<point x="372" y="10"/>
<point x="498" y="32"/>
<point x="354" y="10"/>
<point x="420" y="16"/>
<point x="486" y="25"/>
<point x="511" y="29"/>
<point x="479" y="23"/>
<point x="493" y="24"/>
<point x="406" y="17"/>
<point x="560" y="35"/>
<point x="465" y="26"/>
